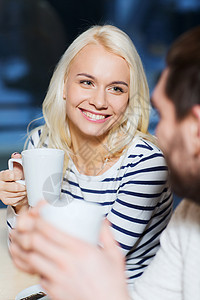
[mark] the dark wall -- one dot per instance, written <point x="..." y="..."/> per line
<point x="78" y="15"/>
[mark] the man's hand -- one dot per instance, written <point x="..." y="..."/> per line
<point x="69" y="268"/>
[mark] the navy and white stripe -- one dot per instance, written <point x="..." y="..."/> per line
<point x="135" y="197"/>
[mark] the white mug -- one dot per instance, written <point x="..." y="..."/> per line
<point x="79" y="218"/>
<point x="43" y="172"/>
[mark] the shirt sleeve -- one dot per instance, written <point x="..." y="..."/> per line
<point x="34" y="140"/>
<point x="11" y="215"/>
<point x="142" y="209"/>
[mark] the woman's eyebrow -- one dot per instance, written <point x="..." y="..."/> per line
<point x="92" y="77"/>
<point x="86" y="75"/>
<point x="119" y="82"/>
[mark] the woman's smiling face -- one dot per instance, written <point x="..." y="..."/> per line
<point x="96" y="91"/>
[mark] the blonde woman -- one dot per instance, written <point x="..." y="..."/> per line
<point x="97" y="110"/>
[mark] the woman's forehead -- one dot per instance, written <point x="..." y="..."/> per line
<point x="96" y="58"/>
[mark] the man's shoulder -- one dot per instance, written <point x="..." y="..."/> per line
<point x="188" y="211"/>
<point x="185" y="220"/>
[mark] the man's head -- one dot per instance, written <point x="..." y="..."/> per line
<point x="177" y="99"/>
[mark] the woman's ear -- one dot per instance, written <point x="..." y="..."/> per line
<point x="64" y="91"/>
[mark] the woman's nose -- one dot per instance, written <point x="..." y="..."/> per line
<point x="99" y="99"/>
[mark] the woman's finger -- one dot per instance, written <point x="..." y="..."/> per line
<point x="14" y="201"/>
<point x="16" y="155"/>
<point x="10" y="175"/>
<point x="17" y="168"/>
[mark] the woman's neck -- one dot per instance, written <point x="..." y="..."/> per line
<point x="90" y="155"/>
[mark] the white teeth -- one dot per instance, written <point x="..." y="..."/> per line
<point x="93" y="116"/>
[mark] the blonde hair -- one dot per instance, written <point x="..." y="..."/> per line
<point x="136" y="117"/>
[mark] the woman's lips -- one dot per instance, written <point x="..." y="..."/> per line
<point x="94" y="117"/>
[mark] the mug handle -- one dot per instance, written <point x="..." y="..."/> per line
<point x="10" y="167"/>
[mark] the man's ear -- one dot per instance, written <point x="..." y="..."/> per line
<point x="196" y="115"/>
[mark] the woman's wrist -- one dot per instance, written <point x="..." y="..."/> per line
<point x="23" y="206"/>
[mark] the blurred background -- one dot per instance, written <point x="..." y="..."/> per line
<point x="35" y="33"/>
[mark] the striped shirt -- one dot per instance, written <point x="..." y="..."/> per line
<point x="135" y="196"/>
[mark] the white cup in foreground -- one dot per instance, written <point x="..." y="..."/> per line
<point x="43" y="172"/>
<point x="79" y="218"/>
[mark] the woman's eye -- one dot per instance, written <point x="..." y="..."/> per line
<point x="117" y="89"/>
<point x="86" y="82"/>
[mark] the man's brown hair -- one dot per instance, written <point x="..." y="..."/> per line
<point x="183" y="82"/>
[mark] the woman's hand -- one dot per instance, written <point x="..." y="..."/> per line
<point x="11" y="192"/>
<point x="69" y="268"/>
